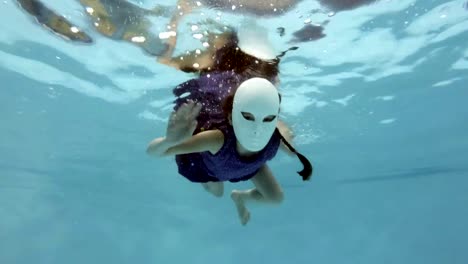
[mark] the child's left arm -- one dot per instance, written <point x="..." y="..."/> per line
<point x="288" y="134"/>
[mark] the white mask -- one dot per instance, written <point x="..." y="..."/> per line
<point x="255" y="113"/>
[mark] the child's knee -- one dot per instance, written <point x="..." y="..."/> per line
<point x="215" y="188"/>
<point x="218" y="192"/>
<point x="276" y="197"/>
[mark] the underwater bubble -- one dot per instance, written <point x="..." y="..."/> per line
<point x="387" y="121"/>
<point x="138" y="39"/>
<point x="166" y="35"/>
<point x="74" y="29"/>
<point x="198" y="36"/>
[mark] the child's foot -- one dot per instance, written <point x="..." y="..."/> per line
<point x="242" y="211"/>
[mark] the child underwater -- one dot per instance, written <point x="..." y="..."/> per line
<point x="245" y="53"/>
<point x="235" y="148"/>
<point x="225" y="124"/>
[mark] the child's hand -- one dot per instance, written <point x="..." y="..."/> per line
<point x="183" y="122"/>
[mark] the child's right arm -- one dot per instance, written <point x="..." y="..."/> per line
<point x="211" y="140"/>
<point x="179" y="137"/>
<point x="158" y="147"/>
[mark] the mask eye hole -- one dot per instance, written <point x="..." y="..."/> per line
<point x="269" y="118"/>
<point x="248" y="116"/>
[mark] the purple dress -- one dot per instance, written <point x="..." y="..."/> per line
<point x="226" y="164"/>
<point x="211" y="89"/>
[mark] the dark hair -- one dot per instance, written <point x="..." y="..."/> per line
<point x="231" y="58"/>
<point x="307" y="169"/>
<point x="227" y="105"/>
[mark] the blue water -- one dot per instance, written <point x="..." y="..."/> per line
<point x="379" y="105"/>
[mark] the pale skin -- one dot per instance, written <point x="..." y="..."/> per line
<point x="179" y="140"/>
<point x="204" y="59"/>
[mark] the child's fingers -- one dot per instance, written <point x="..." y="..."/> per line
<point x="184" y="109"/>
<point x="197" y="108"/>
<point x="187" y="110"/>
<point x="195" y="111"/>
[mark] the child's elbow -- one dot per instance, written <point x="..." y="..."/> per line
<point x="157" y="153"/>
<point x="148" y="151"/>
<point x="151" y="151"/>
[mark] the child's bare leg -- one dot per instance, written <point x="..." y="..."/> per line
<point x="183" y="7"/>
<point x="215" y="188"/>
<point x="267" y="190"/>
